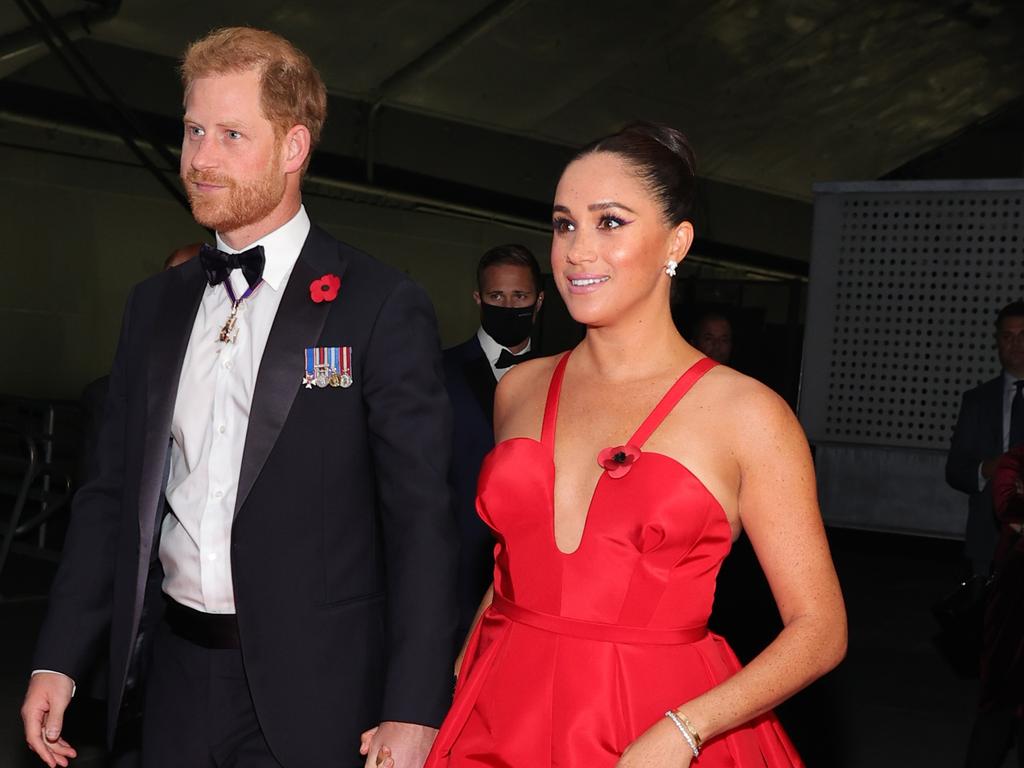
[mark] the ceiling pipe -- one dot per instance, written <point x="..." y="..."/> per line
<point x="713" y="254"/>
<point x="85" y="66"/>
<point x="428" y="61"/>
<point x="707" y="252"/>
<point x="24" y="40"/>
<point x="64" y="50"/>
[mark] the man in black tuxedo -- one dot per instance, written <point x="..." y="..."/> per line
<point x="991" y="421"/>
<point x="509" y="296"/>
<point x="984" y="430"/>
<point x="266" y="532"/>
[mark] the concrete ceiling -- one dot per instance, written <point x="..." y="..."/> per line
<point x="775" y="94"/>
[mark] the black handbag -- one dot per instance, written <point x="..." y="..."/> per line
<point x="961" y="616"/>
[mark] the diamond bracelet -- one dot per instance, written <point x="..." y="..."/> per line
<point x="691" y="738"/>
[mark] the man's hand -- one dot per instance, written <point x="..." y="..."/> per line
<point x="402" y="745"/>
<point x="49" y="694"/>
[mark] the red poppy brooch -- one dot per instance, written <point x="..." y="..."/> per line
<point x="324" y="288"/>
<point x="619" y="460"/>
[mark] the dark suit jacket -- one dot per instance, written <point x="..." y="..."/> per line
<point x="343" y="548"/>
<point x="471" y="384"/>
<point x="978" y="436"/>
<point x="92" y="399"/>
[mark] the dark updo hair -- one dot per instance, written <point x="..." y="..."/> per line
<point x="663" y="159"/>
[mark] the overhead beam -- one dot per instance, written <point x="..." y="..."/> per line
<point x="990" y="148"/>
<point x="22" y="41"/>
<point x="120" y="119"/>
<point x="429" y="60"/>
<point x="422" y="188"/>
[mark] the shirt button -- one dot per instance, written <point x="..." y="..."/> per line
<point x="221" y="429"/>
<point x="218" y="494"/>
<point x="212" y="556"/>
<point x="228" y="365"/>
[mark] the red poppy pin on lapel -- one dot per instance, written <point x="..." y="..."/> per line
<point x="324" y="288"/>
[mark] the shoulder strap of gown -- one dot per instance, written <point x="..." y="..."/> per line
<point x="547" y="434"/>
<point x="683" y="384"/>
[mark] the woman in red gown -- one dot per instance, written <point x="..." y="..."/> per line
<point x="1000" y="717"/>
<point x="623" y="471"/>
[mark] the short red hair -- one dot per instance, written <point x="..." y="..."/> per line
<point x="291" y="89"/>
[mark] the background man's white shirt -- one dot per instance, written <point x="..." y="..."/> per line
<point x="492" y="351"/>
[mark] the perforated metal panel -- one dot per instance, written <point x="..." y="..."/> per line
<point x="906" y="281"/>
<point x="905" y="286"/>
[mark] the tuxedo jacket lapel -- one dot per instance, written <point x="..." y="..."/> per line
<point x="481" y="381"/>
<point x="297" y="325"/>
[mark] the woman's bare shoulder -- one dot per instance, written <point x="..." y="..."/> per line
<point x="751" y="412"/>
<point x="743" y="391"/>
<point x="522" y="391"/>
<point x="741" y="402"/>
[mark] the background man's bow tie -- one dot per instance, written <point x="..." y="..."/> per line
<point x="506" y="359"/>
<point x="218" y="265"/>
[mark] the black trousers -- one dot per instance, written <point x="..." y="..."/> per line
<point x="198" y="712"/>
<point x="992" y="735"/>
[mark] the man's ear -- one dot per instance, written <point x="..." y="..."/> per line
<point x="297" y="145"/>
<point x="476" y="297"/>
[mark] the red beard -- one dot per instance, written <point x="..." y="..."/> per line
<point x="238" y="204"/>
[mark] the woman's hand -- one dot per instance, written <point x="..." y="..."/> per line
<point x="660" y="746"/>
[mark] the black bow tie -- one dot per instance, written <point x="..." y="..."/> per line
<point x="218" y="265"/>
<point x="506" y="359"/>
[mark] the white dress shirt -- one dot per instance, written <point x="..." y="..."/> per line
<point x="1009" y="391"/>
<point x="492" y="351"/>
<point x="211" y="416"/>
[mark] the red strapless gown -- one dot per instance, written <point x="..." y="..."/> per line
<point x="580" y="653"/>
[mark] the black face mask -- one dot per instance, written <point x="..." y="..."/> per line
<point x="508" y="326"/>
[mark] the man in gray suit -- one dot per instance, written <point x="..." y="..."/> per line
<point x="991" y="420"/>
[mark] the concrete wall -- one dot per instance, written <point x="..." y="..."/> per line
<point x="77" y="232"/>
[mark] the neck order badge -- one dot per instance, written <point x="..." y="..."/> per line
<point x="228" y="333"/>
<point x="219" y="265"/>
<point x="328" y="366"/>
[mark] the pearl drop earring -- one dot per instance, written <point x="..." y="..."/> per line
<point x="670" y="267"/>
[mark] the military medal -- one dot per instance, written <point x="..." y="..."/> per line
<point x="310" y="378"/>
<point x="345" y="374"/>
<point x="322" y="369"/>
<point x="332" y="366"/>
<point x="328" y="367"/>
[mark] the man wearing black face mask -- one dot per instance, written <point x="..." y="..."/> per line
<point x="509" y="296"/>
